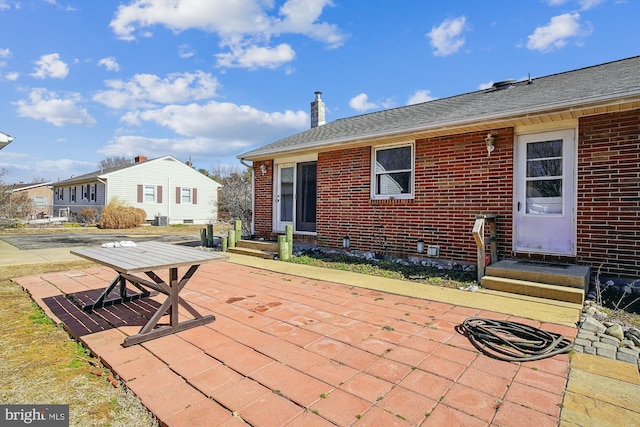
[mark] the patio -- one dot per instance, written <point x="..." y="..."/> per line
<point x="287" y="350"/>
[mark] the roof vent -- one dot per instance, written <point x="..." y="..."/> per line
<point x="505" y="84"/>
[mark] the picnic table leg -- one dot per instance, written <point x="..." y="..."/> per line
<point x="103" y="302"/>
<point x="173" y="301"/>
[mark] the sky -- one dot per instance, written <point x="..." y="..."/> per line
<point x="206" y="80"/>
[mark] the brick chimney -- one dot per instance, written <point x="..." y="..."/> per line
<point x="317" y="111"/>
<point x="140" y="158"/>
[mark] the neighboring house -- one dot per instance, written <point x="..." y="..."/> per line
<point x="169" y="191"/>
<point x="4" y="140"/>
<point x="41" y="197"/>
<point x="557" y="158"/>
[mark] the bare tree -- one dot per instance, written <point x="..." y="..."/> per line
<point x="235" y="195"/>
<point x="114" y="162"/>
<point x="14" y="207"/>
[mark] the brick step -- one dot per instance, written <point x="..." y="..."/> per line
<point x="534" y="289"/>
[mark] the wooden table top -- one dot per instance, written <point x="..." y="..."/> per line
<point x="147" y="256"/>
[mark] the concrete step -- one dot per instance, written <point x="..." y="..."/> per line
<point x="568" y="275"/>
<point x="253" y="252"/>
<point x="534" y="289"/>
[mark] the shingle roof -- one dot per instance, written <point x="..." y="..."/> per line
<point x="597" y="83"/>
<point x="92" y="176"/>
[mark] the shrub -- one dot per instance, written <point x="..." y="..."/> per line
<point x="118" y="215"/>
<point x="87" y="215"/>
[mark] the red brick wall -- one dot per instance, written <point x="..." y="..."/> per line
<point x="609" y="193"/>
<point x="455" y="180"/>
<point x="263" y="199"/>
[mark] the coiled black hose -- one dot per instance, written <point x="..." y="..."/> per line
<point x="512" y="341"/>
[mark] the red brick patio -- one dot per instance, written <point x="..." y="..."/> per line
<point x="294" y="351"/>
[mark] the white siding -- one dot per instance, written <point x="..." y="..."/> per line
<point x="168" y="173"/>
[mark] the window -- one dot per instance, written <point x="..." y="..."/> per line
<point x="93" y="191"/>
<point x="39" y="200"/>
<point x="392" y="172"/>
<point x="85" y="192"/>
<point x="186" y="195"/>
<point x="72" y="194"/>
<point x="149" y="193"/>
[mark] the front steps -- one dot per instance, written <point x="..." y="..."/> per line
<point x="560" y="282"/>
<point x="256" y="248"/>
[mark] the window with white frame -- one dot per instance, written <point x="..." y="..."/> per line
<point x="149" y="193"/>
<point x="72" y="194"/>
<point x="39" y="201"/>
<point x="392" y="172"/>
<point x="94" y="191"/>
<point x="185" y="195"/>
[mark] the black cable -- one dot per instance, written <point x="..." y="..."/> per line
<point x="512" y="341"/>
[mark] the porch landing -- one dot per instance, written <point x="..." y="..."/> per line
<point x="557" y="281"/>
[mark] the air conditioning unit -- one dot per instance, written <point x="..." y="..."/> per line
<point x="162" y="221"/>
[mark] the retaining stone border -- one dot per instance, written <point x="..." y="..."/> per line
<point x="609" y="339"/>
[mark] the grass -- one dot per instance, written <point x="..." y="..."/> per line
<point x="41" y="364"/>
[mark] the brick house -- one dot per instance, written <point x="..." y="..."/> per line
<point x="556" y="158"/>
<point x="40" y="195"/>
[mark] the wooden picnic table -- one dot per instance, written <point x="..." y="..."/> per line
<point x="149" y="258"/>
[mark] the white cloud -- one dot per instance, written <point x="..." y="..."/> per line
<point x="110" y="63"/>
<point x="4" y="5"/>
<point x="213" y="128"/>
<point x="589" y="4"/>
<point x="361" y="103"/>
<point x="50" y="66"/>
<point x="447" y="38"/>
<point x="12" y="76"/>
<point x="555" y="34"/>
<point x="149" y="90"/>
<point x="256" y="57"/>
<point x="245" y="27"/>
<point x="4" y="54"/>
<point x="45" y="105"/>
<point x="185" y="51"/>
<point x="419" y="96"/>
<point x="300" y="17"/>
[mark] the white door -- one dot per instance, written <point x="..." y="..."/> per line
<point x="284" y="196"/>
<point x="544" y="217"/>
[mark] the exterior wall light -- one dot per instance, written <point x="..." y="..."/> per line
<point x="263" y="169"/>
<point x="346" y="242"/>
<point x="420" y="246"/>
<point x="490" y="141"/>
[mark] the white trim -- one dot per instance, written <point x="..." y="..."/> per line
<point x="372" y="177"/>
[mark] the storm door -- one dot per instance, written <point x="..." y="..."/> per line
<point x="295" y="198"/>
<point x="544" y="217"/>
